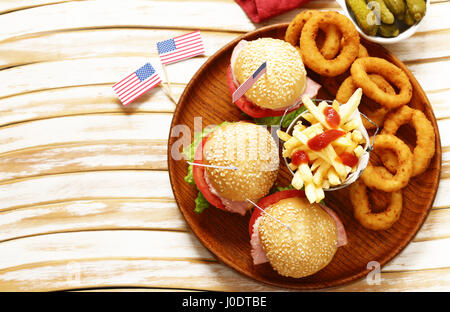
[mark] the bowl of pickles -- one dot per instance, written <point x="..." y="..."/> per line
<point x="386" y="21"/>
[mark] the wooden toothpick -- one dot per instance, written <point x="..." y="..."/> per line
<point x="287" y="226"/>
<point x="213" y="166"/>
<point x="169" y="88"/>
<point x="169" y="94"/>
<point x="167" y="77"/>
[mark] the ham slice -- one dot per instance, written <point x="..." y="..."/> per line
<point x="240" y="207"/>
<point x="342" y="235"/>
<point x="311" y="90"/>
<point x="258" y="254"/>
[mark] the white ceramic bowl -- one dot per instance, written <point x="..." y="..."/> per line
<point x="405" y="34"/>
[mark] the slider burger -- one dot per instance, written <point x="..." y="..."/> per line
<point x="283" y="84"/>
<point x="237" y="161"/>
<point x="297" y="238"/>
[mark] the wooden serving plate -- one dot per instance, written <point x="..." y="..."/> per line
<point x="226" y="234"/>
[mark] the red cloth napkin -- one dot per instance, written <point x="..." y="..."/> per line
<point x="259" y="10"/>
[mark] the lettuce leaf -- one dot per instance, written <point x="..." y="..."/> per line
<point x="189" y="178"/>
<point x="275" y="120"/>
<point x="275" y="189"/>
<point x="289" y="118"/>
<point x="283" y="188"/>
<point x="189" y="151"/>
<point x="200" y="203"/>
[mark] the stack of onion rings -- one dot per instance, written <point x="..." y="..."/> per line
<point x="374" y="75"/>
<point x="311" y="54"/>
<point x="362" y="212"/>
<point x="329" y="41"/>
<point x="360" y="73"/>
<point x="425" y="143"/>
<point x="379" y="177"/>
<point x="330" y="45"/>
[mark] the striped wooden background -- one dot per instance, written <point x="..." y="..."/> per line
<point x="85" y="198"/>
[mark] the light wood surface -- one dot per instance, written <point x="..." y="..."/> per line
<point x="85" y="197"/>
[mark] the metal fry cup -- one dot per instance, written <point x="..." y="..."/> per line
<point x="363" y="160"/>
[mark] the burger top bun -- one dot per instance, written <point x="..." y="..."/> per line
<point x="285" y="78"/>
<point x="305" y="249"/>
<point x="252" y="150"/>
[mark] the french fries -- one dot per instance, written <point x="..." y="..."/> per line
<point x="325" y="168"/>
<point x="352" y="104"/>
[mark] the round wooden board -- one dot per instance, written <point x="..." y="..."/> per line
<point x="226" y="234"/>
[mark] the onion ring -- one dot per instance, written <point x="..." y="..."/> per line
<point x="362" y="66"/>
<point x="362" y="51"/>
<point x="379" y="177"/>
<point x="311" y="54"/>
<point x="348" y="87"/>
<point x="296" y="25"/>
<point x="389" y="161"/>
<point x="332" y="84"/>
<point x="377" y="116"/>
<point x="362" y="212"/>
<point x="331" y="43"/>
<point x="425" y="143"/>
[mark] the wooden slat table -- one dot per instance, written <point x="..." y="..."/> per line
<point x="85" y="198"/>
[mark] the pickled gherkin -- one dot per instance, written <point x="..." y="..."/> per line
<point x="417" y="8"/>
<point x="388" y="31"/>
<point x="361" y="12"/>
<point x="409" y="19"/>
<point x="397" y="7"/>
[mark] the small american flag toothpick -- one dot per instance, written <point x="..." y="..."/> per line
<point x="180" y="48"/>
<point x="249" y="82"/>
<point x="136" y="84"/>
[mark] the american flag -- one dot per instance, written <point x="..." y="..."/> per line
<point x="136" y="84"/>
<point x="249" y="82"/>
<point x="180" y="48"/>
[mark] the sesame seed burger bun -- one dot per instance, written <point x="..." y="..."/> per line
<point x="285" y="79"/>
<point x="305" y="249"/>
<point x="252" y="150"/>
